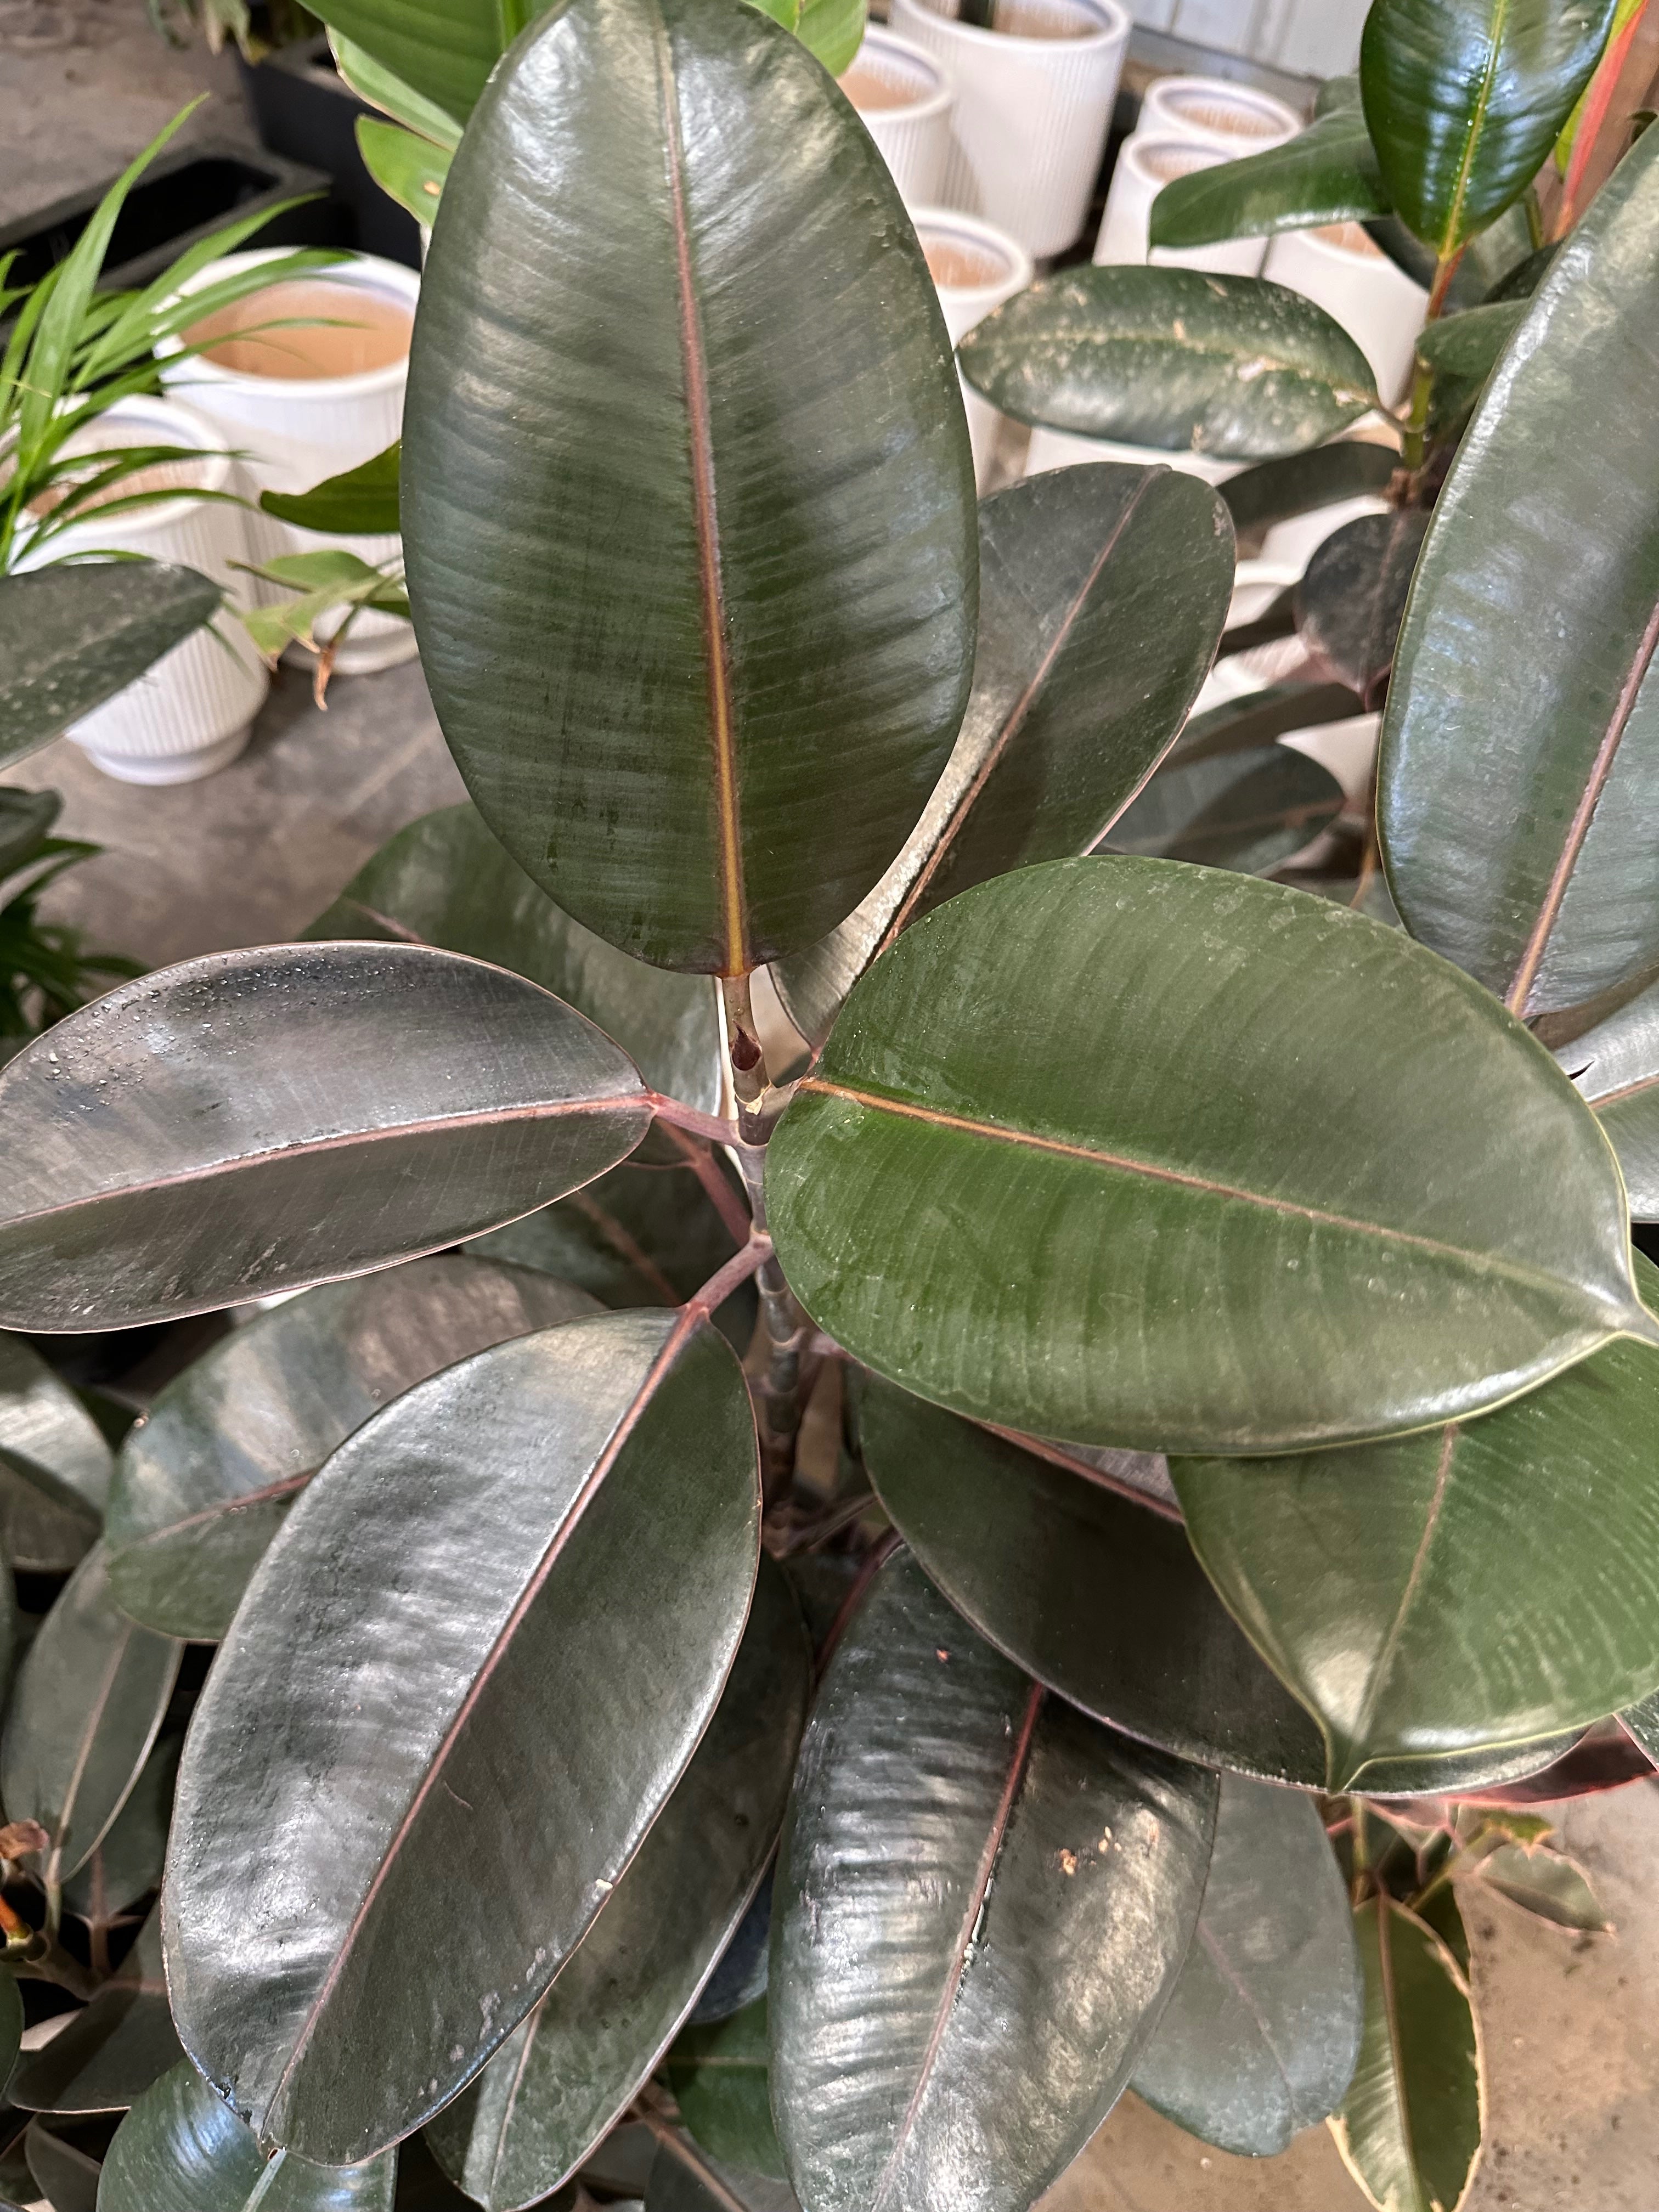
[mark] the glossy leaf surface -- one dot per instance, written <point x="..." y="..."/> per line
<point x="444" y="880"/>
<point x="208" y="1475"/>
<point x="360" y="501"/>
<point x="1472" y="1584"/>
<point x="54" y="1466"/>
<point x="1349" y="604"/>
<point x="982" y="1901"/>
<point x="703" y="661"/>
<point x="532" y="1567"/>
<point x="383" y="88"/>
<point x="1247" y="723"/>
<point x="1089" y="1592"/>
<point x="63" y="2175"/>
<point x="1465" y="99"/>
<point x="109" y="2055"/>
<point x="1133" y="1154"/>
<point x="1244" y="811"/>
<point x="831" y="29"/>
<point x="128" y="1861"/>
<point x="71" y="637"/>
<point x="1102" y="595"/>
<point x="1260" y="2039"/>
<point x="1327" y="174"/>
<point x="682" y="2180"/>
<point x="1274" y="491"/>
<point x="1520" y="760"/>
<point x="719" y="2077"/>
<point x="1462" y="351"/>
<point x="89" y="1701"/>
<point x="256" y="1121"/>
<point x="443" y="50"/>
<point x="1232" y="367"/>
<point x="407" y="168"/>
<point x="561" y="2080"/>
<point x="181" y="2149"/>
<point x="1409" y="2130"/>
<point x="1616" y="1067"/>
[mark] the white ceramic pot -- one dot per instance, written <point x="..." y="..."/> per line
<point x="1065" y="449"/>
<point x="189" y="714"/>
<point x="976" y="267"/>
<point x="1209" y="110"/>
<point x="1144" y="166"/>
<point x="1355" y="282"/>
<point x="293" y="432"/>
<point x="903" y="99"/>
<point x="1034" y="103"/>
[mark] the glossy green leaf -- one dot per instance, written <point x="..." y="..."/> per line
<point x="1472" y="1584"/>
<point x="210" y="1473"/>
<point x="54" y="1466"/>
<point x="1349" y="604"/>
<point x="262" y="1120"/>
<point x="1086" y="1589"/>
<point x="1231" y="367"/>
<point x="127" y="1863"/>
<point x="1464" y="100"/>
<point x="683" y="2180"/>
<point x="1462" y="351"/>
<point x="703" y="661"/>
<point x="719" y="2077"/>
<point x="1327" y="174"/>
<point x="442" y="51"/>
<point x="181" y="2149"/>
<point x="1520" y="760"/>
<point x="382" y="88"/>
<point x="1441" y="1912"/>
<point x="533" y="1567"/>
<point x="1103" y="592"/>
<point x="1059" y="1168"/>
<point x="741" y="1974"/>
<point x="1261" y="2036"/>
<point x="110" y="2053"/>
<point x="89" y="1701"/>
<point x="1409" y="2130"/>
<point x="1547" y="1884"/>
<point x="358" y="501"/>
<point x="1244" y="811"/>
<point x="72" y="636"/>
<point x="1247" y="723"/>
<point x="64" y="2174"/>
<point x="1616" y="1067"/>
<point x="407" y="168"/>
<point x="982" y="1901"/>
<point x="1274" y="491"/>
<point x="444" y="880"/>
<point x="832" y="30"/>
<point x="562" y="2078"/>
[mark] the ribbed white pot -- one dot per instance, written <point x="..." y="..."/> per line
<point x="1065" y="449"/>
<point x="1031" y="114"/>
<point x="1238" y="119"/>
<point x="1144" y="166"/>
<point x="190" y="713"/>
<point x="1377" y="304"/>
<point x="294" y="432"/>
<point x="975" y="268"/>
<point x="903" y="98"/>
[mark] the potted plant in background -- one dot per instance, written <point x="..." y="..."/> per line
<point x="1279" y="1215"/>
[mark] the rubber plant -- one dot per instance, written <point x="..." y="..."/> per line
<point x="860" y="1424"/>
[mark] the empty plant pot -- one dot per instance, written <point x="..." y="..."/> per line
<point x="189" y="714"/>
<point x="308" y="401"/>
<point x="1034" y="103"/>
<point x="1144" y="166"/>
<point x="903" y="99"/>
<point x="1340" y="269"/>
<point x="976" y="267"/>
<point x="1238" y="119"/>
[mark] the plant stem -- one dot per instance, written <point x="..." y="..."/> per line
<point x="1444" y="270"/>
<point x="1413" y="444"/>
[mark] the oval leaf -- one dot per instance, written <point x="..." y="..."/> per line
<point x="71" y="637"/>
<point x="984" y="1900"/>
<point x="88" y="1702"/>
<point x="1248" y="810"/>
<point x="1059" y="1168"/>
<point x="1274" y="491"/>
<point x="181" y="2149"/>
<point x="444" y="880"/>
<point x="1409" y="2130"/>
<point x="109" y="2055"/>
<point x="443" y="50"/>
<point x="127" y="1863"/>
<point x="1616" y="1067"/>
<point x="407" y="168"/>
<point x="1327" y="174"/>
<point x="55" y="1466"/>
<point x="1103" y="592"/>
<point x="1520" y="765"/>
<point x="1091" y="1592"/>
<point x="1465" y="99"/>
<point x="383" y="88"/>
<point x="703" y="698"/>
<point x="1232" y="367"/>
<point x="208" y="1476"/>
<point x="719" y="2077"/>
<point x="1349" y="604"/>
<point x="1261" y="2034"/>
<point x="560" y="2080"/>
<point x="1406" y="1596"/>
<point x="261" y="1121"/>
<point x="532" y="1567"/>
